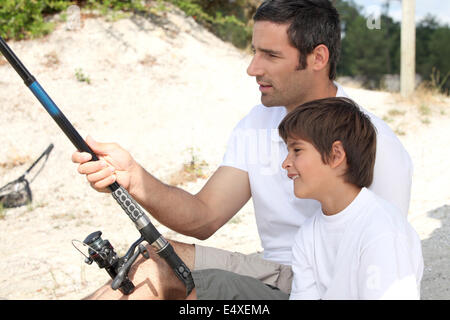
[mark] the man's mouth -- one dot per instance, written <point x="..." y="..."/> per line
<point x="293" y="176"/>
<point x="264" y="86"/>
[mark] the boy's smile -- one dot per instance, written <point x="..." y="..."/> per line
<point x="293" y="176"/>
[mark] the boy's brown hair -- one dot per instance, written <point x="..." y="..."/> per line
<point x="324" y="121"/>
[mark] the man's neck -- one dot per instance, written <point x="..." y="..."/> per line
<point x="326" y="90"/>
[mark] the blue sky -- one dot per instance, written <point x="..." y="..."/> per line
<point x="438" y="8"/>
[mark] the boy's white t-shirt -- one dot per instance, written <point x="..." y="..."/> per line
<point x="256" y="147"/>
<point x="366" y="251"/>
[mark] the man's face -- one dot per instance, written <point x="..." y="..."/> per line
<point x="275" y="66"/>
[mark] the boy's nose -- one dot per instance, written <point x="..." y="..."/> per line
<point x="286" y="163"/>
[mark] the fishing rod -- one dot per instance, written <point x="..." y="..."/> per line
<point x="118" y="271"/>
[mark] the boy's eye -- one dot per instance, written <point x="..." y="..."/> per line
<point x="297" y="150"/>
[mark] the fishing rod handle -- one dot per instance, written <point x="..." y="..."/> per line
<point x="178" y="266"/>
<point x="163" y="248"/>
<point x="135" y="213"/>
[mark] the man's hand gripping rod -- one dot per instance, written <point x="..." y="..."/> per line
<point x="128" y="204"/>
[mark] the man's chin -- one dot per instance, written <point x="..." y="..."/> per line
<point x="269" y="102"/>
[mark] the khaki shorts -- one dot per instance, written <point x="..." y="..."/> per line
<point x="217" y="284"/>
<point x="252" y="265"/>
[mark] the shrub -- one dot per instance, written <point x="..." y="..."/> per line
<point x="226" y="19"/>
<point x="230" y="29"/>
<point x="22" y="19"/>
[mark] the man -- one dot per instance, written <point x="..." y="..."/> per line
<point x="296" y="46"/>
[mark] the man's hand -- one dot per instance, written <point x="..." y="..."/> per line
<point x="114" y="164"/>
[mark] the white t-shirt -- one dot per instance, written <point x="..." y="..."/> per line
<point x="256" y="147"/>
<point x="366" y="251"/>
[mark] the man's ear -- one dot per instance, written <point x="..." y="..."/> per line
<point x="319" y="57"/>
<point x="337" y="155"/>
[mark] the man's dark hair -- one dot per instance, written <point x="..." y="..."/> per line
<point x="324" y="121"/>
<point x="312" y="22"/>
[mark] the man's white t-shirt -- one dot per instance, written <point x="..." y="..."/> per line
<point x="256" y="147"/>
<point x="366" y="251"/>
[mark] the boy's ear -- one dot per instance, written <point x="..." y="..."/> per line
<point x="337" y="155"/>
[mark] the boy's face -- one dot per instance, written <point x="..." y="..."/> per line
<point x="305" y="167"/>
<point x="275" y="66"/>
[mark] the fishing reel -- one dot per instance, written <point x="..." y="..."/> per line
<point x="102" y="252"/>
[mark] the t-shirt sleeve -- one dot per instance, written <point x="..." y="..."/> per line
<point x="393" y="172"/>
<point x="304" y="286"/>
<point x="387" y="270"/>
<point x="235" y="154"/>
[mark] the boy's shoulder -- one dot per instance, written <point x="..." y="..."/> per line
<point x="380" y="218"/>
<point x="374" y="218"/>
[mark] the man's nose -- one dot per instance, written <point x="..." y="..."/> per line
<point x="254" y="68"/>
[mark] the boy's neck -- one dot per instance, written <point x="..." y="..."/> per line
<point x="339" y="198"/>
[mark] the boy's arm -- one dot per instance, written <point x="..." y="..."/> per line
<point x="304" y="285"/>
<point x="387" y="270"/>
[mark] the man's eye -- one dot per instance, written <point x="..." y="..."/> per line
<point x="297" y="150"/>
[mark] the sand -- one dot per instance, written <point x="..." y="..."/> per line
<point x="166" y="90"/>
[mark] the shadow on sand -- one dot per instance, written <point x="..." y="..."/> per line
<point x="436" y="255"/>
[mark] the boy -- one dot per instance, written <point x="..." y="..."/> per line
<point x="357" y="246"/>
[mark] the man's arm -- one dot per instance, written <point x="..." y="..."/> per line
<point x="199" y="215"/>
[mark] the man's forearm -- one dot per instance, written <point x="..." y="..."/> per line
<point x="173" y="207"/>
